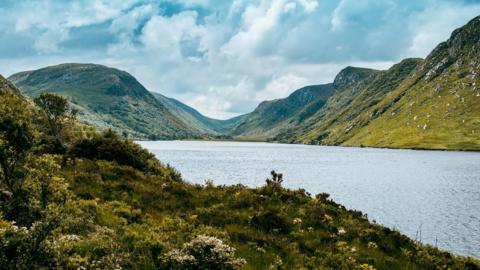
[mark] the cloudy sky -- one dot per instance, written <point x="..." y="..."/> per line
<point x="224" y="57"/>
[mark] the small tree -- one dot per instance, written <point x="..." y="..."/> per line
<point x="58" y="116"/>
<point x="16" y="141"/>
<point x="56" y="109"/>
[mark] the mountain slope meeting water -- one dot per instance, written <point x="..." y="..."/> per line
<point x="434" y="103"/>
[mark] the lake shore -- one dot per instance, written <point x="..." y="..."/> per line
<point x="378" y="181"/>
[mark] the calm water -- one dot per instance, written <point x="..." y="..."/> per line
<point x="435" y="193"/>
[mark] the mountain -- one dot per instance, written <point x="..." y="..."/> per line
<point x="271" y="118"/>
<point x="332" y="125"/>
<point x="432" y="103"/>
<point x="193" y="118"/>
<point x="108" y="98"/>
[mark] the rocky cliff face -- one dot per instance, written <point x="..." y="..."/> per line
<point x="351" y="76"/>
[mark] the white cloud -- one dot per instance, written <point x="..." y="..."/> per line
<point x="48" y="41"/>
<point x="257" y="21"/>
<point x="309" y="5"/>
<point x="49" y="23"/>
<point x="281" y="87"/>
<point x="435" y="24"/>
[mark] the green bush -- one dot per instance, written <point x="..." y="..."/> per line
<point x="108" y="146"/>
<point x="271" y="221"/>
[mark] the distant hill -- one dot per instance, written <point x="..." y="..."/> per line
<point x="108" y="98"/>
<point x="193" y="118"/>
<point x="331" y="125"/>
<point x="270" y="117"/>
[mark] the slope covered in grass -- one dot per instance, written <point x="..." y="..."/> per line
<point x="438" y="106"/>
<point x="270" y="117"/>
<point x="432" y="103"/>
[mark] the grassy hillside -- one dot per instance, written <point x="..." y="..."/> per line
<point x="105" y="203"/>
<point x="432" y="103"/>
<point x="334" y="123"/>
<point x="275" y="117"/>
<point x="107" y="98"/>
<point x="438" y="106"/>
<point x="270" y="117"/>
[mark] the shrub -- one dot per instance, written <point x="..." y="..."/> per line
<point x="108" y="146"/>
<point x="275" y="181"/>
<point x="22" y="248"/>
<point x="58" y="117"/>
<point x="204" y="252"/>
<point x="271" y="221"/>
<point x="16" y="141"/>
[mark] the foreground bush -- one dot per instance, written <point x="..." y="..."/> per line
<point x="108" y="146"/>
<point x="204" y="252"/>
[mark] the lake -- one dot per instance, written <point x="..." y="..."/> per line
<point x="430" y="196"/>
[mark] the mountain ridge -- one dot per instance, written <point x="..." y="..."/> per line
<point x="427" y="104"/>
<point x="109" y="98"/>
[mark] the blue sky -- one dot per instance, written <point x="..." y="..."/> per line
<point x="224" y="57"/>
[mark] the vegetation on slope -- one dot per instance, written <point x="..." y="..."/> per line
<point x="438" y="106"/>
<point x="433" y="103"/>
<point x="270" y="117"/>
<point x="102" y="202"/>
<point x="334" y="123"/>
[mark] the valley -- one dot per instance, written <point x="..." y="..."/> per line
<point x="430" y="103"/>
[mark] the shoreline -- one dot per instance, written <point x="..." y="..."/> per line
<point x="326" y="145"/>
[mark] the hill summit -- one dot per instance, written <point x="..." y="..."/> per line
<point x="107" y="98"/>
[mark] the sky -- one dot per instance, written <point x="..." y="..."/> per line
<point x="224" y="57"/>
